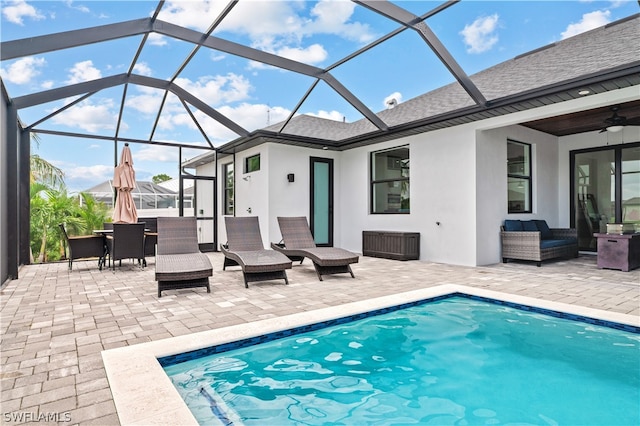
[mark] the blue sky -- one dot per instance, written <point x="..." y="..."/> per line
<point x="478" y="34"/>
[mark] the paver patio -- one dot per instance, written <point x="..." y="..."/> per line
<point x="55" y="322"/>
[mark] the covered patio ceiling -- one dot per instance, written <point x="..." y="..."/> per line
<point x="217" y="124"/>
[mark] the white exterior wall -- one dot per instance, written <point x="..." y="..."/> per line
<point x="292" y="198"/>
<point x="251" y="195"/>
<point x="458" y="178"/>
<point x="491" y="185"/>
<point x="441" y="189"/>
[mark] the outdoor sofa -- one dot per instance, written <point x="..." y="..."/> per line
<point x="533" y="240"/>
<point x="179" y="262"/>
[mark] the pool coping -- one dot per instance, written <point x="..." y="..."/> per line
<point x="143" y="393"/>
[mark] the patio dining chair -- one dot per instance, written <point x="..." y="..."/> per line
<point x="84" y="247"/>
<point x="297" y="242"/>
<point x="126" y="242"/>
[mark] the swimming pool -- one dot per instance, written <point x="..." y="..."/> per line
<point x="143" y="393"/>
<point x="444" y="360"/>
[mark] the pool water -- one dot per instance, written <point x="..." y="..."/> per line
<point x="452" y="361"/>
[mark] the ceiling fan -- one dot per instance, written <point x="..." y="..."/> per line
<point x="616" y="122"/>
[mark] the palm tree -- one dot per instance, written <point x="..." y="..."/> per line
<point x="93" y="213"/>
<point x="42" y="171"/>
<point x="49" y="207"/>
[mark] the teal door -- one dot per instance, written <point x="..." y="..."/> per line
<point x="321" y="220"/>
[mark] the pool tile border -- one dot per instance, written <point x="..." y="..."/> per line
<point x="243" y="343"/>
<point x="144" y="394"/>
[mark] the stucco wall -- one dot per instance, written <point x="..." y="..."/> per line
<point x="491" y="158"/>
<point x="442" y="190"/>
<point x="458" y="184"/>
<point x="292" y="198"/>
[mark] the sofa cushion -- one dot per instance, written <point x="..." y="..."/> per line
<point x="512" y="225"/>
<point x="545" y="232"/>
<point x="529" y="225"/>
<point x="557" y="243"/>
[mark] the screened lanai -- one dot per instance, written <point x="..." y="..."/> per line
<point x="146" y="195"/>
<point x="182" y="85"/>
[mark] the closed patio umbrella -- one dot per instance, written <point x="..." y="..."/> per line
<point x="124" y="180"/>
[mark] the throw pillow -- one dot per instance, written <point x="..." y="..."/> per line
<point x="512" y="225"/>
<point x="545" y="232"/>
<point x="529" y="225"/>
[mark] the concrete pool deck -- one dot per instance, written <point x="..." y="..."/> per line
<point x="56" y="324"/>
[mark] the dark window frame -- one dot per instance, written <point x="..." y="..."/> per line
<point x="249" y="163"/>
<point x="389" y="181"/>
<point x="228" y="186"/>
<point x="523" y="176"/>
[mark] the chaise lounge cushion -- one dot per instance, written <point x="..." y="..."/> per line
<point x="179" y="262"/>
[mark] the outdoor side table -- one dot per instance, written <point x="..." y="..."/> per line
<point x="618" y="251"/>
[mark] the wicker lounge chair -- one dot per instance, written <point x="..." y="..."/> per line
<point x="84" y="247"/>
<point x="297" y="242"/>
<point x="245" y="248"/>
<point x="179" y="262"/>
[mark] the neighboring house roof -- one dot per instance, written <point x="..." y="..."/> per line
<point x="605" y="58"/>
<point x="142" y="187"/>
<point x="174" y="184"/>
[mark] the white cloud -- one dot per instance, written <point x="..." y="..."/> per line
<point x="218" y="89"/>
<point x="329" y="115"/>
<point x="23" y="70"/>
<point x="83" y="71"/>
<point x="480" y="36"/>
<point x="246" y="115"/>
<point x="156" y="39"/>
<point x="311" y="55"/>
<point x="156" y="153"/>
<point x="397" y="96"/>
<point x="142" y="68"/>
<point x="47" y="84"/>
<point x="332" y="17"/>
<point x="275" y="26"/>
<point x="81" y="8"/>
<point x="17" y="10"/>
<point x="97" y="173"/>
<point x="90" y="117"/>
<point x="146" y="103"/>
<point x="588" y="22"/>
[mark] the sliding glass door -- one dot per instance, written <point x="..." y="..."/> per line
<point x="606" y="189"/>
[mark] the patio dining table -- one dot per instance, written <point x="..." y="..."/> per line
<point x="105" y="233"/>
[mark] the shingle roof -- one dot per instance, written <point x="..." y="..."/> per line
<point x="589" y="53"/>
